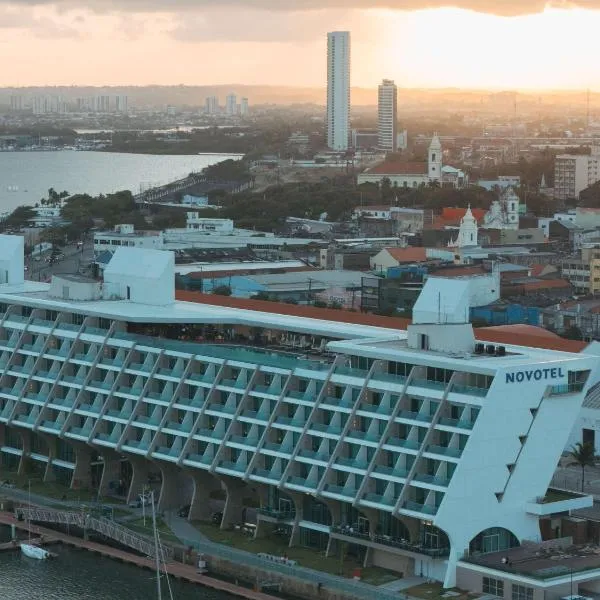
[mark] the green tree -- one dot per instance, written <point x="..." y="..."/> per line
<point x="222" y="290"/>
<point x="583" y="455"/>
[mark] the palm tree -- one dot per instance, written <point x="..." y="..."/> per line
<point x="583" y="455"/>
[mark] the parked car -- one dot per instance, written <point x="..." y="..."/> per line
<point x="216" y="518"/>
<point x="184" y="511"/>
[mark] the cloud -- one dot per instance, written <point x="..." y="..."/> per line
<point x="496" y="7"/>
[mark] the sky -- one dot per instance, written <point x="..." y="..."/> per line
<point x="522" y="44"/>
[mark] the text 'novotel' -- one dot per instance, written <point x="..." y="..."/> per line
<point x="535" y="375"/>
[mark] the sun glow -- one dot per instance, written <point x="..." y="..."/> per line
<point x="458" y="48"/>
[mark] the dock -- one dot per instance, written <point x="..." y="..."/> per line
<point x="187" y="573"/>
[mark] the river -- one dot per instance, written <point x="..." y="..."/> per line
<point x="25" y="177"/>
<point x="79" y="575"/>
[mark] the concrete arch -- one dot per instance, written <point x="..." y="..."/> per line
<point x="204" y="484"/>
<point x="493" y="539"/>
<point x="236" y="491"/>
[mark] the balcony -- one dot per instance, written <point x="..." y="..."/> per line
<point x="400" y="443"/>
<point x="232" y="383"/>
<point x="244" y="441"/>
<point x="390" y="472"/>
<point x="393" y="542"/>
<point x="266" y="474"/>
<point x="459" y="423"/>
<point x="558" y="501"/>
<point x="289" y="422"/>
<point x="277" y="447"/>
<point x="379" y="499"/>
<point x="333" y="430"/>
<point x="232" y="466"/>
<point x="313" y="455"/>
<point x="301" y="482"/>
<point x="353" y="463"/>
<point x="339" y="490"/>
<point x="566" y="389"/>
<point x="414" y="416"/>
<point x="199" y="459"/>
<point x="278" y="515"/>
<point x="330" y="402"/>
<point x="444" y="451"/>
<point x="176" y="426"/>
<point x="365" y="436"/>
<point x="433" y="479"/>
<point x="427" y="509"/>
<point x="220" y="408"/>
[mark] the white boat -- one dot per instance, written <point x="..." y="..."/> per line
<point x="29" y="549"/>
<point x="34" y="552"/>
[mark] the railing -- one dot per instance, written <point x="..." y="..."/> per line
<point x="388" y="540"/>
<point x="105" y="527"/>
<point x="567" y="388"/>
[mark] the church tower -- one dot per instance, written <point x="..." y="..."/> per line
<point x="467" y="234"/>
<point x="435" y="159"/>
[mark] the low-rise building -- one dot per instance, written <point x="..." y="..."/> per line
<point x="195" y="222"/>
<point x="125" y="235"/>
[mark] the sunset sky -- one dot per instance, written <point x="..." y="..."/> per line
<point x="419" y="43"/>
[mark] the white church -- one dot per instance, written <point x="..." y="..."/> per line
<point x="503" y="213"/>
<point x="415" y="174"/>
<point x="468" y="232"/>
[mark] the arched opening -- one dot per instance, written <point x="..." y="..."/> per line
<point x="494" y="539"/>
<point x="433" y="538"/>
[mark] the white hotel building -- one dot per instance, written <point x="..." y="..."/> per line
<point x="410" y="447"/>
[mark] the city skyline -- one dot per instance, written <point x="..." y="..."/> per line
<point x="438" y="47"/>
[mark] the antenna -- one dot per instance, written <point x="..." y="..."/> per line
<point x="588" y="109"/>
<point x="439" y="308"/>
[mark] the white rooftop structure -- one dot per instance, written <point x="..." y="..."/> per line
<point x="144" y="276"/>
<point x="12" y="262"/>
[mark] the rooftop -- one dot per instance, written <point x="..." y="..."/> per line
<point x="398" y="168"/>
<point x="542" y="562"/>
<point x="408" y="255"/>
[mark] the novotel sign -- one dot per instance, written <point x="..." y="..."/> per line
<point x="535" y="375"/>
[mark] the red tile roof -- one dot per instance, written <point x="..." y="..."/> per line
<point x="398" y="168"/>
<point x="522" y="335"/>
<point x="528" y="335"/>
<point x="456" y="214"/>
<point x="408" y="255"/>
<point x="295" y="310"/>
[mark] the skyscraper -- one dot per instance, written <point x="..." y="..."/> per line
<point x="231" y="104"/>
<point x="338" y="89"/>
<point x="244" y="107"/>
<point x="387" y="116"/>
<point x="212" y="105"/>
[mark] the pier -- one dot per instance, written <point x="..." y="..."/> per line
<point x="184" y="572"/>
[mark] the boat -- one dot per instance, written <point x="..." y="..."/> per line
<point x="29" y="549"/>
<point x="32" y="551"/>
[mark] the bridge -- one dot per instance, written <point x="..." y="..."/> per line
<point x="103" y="526"/>
<point x="156" y="194"/>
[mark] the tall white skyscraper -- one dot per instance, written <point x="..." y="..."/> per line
<point x="231" y="104"/>
<point x="338" y="89"/>
<point x="212" y="105"/>
<point x="244" y="107"/>
<point x="387" y="116"/>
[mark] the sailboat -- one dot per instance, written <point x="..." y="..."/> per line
<point x="29" y="549"/>
<point x="158" y="555"/>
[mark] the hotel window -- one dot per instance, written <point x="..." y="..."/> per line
<point x="521" y="592"/>
<point x="492" y="586"/>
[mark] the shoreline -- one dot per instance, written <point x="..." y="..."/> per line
<point x="181" y="571"/>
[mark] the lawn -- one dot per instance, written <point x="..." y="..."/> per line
<point x="306" y="557"/>
<point x="435" y="591"/>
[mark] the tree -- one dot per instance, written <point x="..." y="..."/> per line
<point x="582" y="455"/>
<point x="222" y="290"/>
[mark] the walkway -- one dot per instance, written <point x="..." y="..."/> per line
<point x="190" y="536"/>
<point x="187" y="572"/>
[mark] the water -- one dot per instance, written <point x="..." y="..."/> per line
<point x="33" y="173"/>
<point x="80" y="575"/>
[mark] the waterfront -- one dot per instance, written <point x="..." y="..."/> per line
<point x="31" y="174"/>
<point x="77" y="575"/>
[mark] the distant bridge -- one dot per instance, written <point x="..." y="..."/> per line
<point x="161" y="192"/>
<point x="105" y="527"/>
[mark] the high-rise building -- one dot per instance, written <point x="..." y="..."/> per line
<point x="211" y="105"/>
<point x="231" y="105"/>
<point x="575" y="172"/>
<point x="244" y="107"/>
<point x="121" y="103"/>
<point x="387" y="116"/>
<point x="16" y="102"/>
<point x="338" y="89"/>
<point x="43" y="105"/>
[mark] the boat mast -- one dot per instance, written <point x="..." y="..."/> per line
<point x="156" y="548"/>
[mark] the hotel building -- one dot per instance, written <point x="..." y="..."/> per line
<point x="411" y="448"/>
